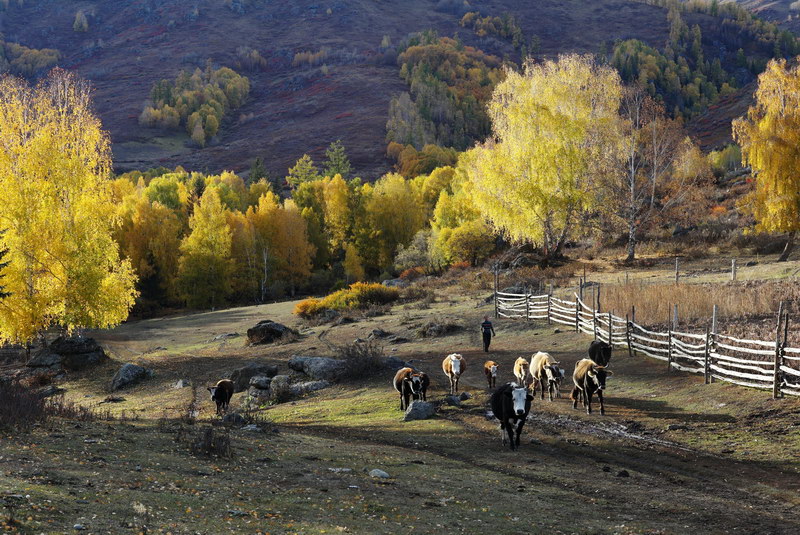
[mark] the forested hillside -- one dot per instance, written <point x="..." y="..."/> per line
<point x="317" y="71"/>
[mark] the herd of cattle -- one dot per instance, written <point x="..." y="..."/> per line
<point x="511" y="402"/>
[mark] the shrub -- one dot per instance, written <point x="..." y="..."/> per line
<point x="21" y="407"/>
<point x="411" y="274"/>
<point x="209" y="442"/>
<point x="359" y="295"/>
<point x="363" y="359"/>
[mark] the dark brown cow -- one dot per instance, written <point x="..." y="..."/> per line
<point x="222" y="393"/>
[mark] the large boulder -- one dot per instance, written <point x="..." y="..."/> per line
<point x="45" y="358"/>
<point x="241" y="377"/>
<point x="395" y="283"/>
<point x="129" y="374"/>
<point x="267" y="332"/>
<point x="395" y="363"/>
<point x="419" y="410"/>
<point x="73" y="353"/>
<point x="320" y="368"/>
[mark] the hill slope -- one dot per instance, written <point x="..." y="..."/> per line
<point x="131" y="44"/>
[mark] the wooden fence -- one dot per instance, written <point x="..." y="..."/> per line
<point x="768" y="365"/>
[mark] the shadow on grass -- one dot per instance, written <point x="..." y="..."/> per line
<point x="662" y="409"/>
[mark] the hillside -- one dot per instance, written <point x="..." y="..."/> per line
<point x="130" y="44"/>
<point x="671" y="454"/>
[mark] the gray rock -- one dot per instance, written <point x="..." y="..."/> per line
<point x="129" y="374"/>
<point x="78" y="352"/>
<point x="260" y="381"/>
<point x="359" y="341"/>
<point x="379" y="474"/>
<point x="225" y="336"/>
<point x="49" y="391"/>
<point x="465" y="396"/>
<point x="78" y="527"/>
<point x="623" y="473"/>
<point x="397" y="340"/>
<point x="233" y="418"/>
<point x="320" y="368"/>
<point x="395" y="363"/>
<point x="45" y="358"/>
<point x="419" y="410"/>
<point x="452" y="400"/>
<point x="378" y="333"/>
<point x="340" y="470"/>
<point x="556" y="330"/>
<point x="331" y="315"/>
<point x="253" y="428"/>
<point x="299" y="389"/>
<point x="241" y="376"/>
<point x="677" y="427"/>
<point x="181" y="383"/>
<point x="395" y="283"/>
<point x="267" y="332"/>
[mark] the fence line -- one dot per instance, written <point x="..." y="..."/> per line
<point x="716" y="356"/>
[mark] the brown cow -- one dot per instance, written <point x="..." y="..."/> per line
<point x="411" y="385"/>
<point x="589" y="377"/>
<point x="490" y="370"/>
<point x="544" y="369"/>
<point x="453" y="366"/>
<point x="522" y="372"/>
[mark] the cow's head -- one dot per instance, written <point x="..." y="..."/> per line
<point x="603" y="353"/>
<point x="455" y="363"/>
<point x="519" y="397"/>
<point x="554" y="373"/>
<point x="598" y="375"/>
<point x="213" y="390"/>
<point x="493" y="370"/>
<point x="416" y="383"/>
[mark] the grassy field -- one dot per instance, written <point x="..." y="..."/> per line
<point x="671" y="455"/>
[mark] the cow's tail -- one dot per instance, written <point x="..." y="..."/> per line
<point x="574" y="395"/>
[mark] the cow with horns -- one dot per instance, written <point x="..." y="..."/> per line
<point x="511" y="404"/>
<point x="411" y="385"/>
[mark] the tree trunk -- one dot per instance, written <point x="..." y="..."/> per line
<point x="789" y="247"/>
<point x="631" y="244"/>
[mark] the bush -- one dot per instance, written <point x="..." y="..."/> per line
<point x="209" y="442"/>
<point x="21" y="407"/>
<point x="363" y="360"/>
<point x="360" y="295"/>
<point x="413" y="273"/>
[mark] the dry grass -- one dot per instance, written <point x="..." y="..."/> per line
<point x="654" y="302"/>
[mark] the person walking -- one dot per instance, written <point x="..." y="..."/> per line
<point x="488" y="331"/>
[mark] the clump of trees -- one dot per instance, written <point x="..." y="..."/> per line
<point x="81" y="24"/>
<point x="62" y="267"/>
<point x="449" y="86"/>
<point x="198" y="101"/>
<point x="23" y="61"/>
<point x="769" y="136"/>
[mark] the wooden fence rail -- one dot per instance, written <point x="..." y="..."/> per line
<point x="767" y="365"/>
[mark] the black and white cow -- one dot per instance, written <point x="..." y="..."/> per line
<point x="589" y="377"/>
<point x="411" y="385"/>
<point x="600" y="352"/>
<point x="511" y="404"/>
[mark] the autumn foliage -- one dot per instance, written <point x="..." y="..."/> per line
<point x="358" y="296"/>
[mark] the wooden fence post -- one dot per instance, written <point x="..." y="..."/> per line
<point x="581" y="281"/>
<point x="598" y="296"/>
<point x="706" y="366"/>
<point x="610" y="331"/>
<point x="776" y="386"/>
<point x="675" y="318"/>
<point x="594" y="322"/>
<point x="577" y="314"/>
<point x="669" y="350"/>
<point x="495" y="293"/>
<point x="549" y="305"/>
<point x="733" y="269"/>
<point x="527" y="304"/>
<point x="712" y="342"/>
<point x="628" y="335"/>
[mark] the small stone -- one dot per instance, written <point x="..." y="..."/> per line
<point x="452" y="400"/>
<point x="556" y="330"/>
<point x="340" y="470"/>
<point x="378" y="473"/>
<point x="237" y="512"/>
<point x="181" y="383"/>
<point x="233" y="418"/>
<point x="536" y="441"/>
<point x="78" y="527"/>
<point x="82" y="501"/>
<point x="465" y="396"/>
<point x="253" y="428"/>
<point x="358" y="341"/>
<point x="606" y="469"/>
<point x="419" y="410"/>
<point x="623" y="473"/>
<point x="677" y="427"/>
<point x="138" y="468"/>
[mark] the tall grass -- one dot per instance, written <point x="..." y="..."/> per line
<point x="736" y="301"/>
